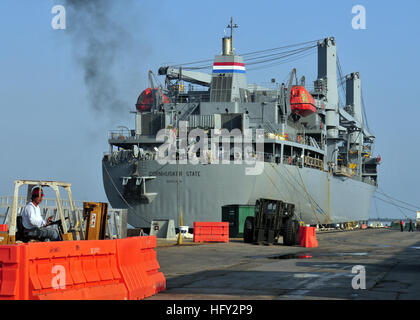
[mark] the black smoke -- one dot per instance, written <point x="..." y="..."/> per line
<point x="99" y="41"/>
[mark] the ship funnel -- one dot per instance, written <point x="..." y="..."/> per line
<point x="228" y="81"/>
<point x="226" y="46"/>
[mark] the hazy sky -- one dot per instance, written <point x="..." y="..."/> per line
<point x="50" y="129"/>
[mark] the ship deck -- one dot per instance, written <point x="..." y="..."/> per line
<point x="240" y="271"/>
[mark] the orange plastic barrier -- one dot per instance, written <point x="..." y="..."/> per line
<point x="307" y="237"/>
<point x="4" y="227"/>
<point x="80" y="270"/>
<point x="211" y="232"/>
<point x="142" y="279"/>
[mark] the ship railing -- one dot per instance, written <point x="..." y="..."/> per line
<point x="304" y="140"/>
<point x="268" y="157"/>
<point x="121" y="134"/>
<point x="292" y="161"/>
<point x="309" y="162"/>
<point x="307" y="141"/>
<point x="314" y="163"/>
<point x="128" y="156"/>
<point x="219" y="156"/>
<point x="127" y="135"/>
<point x="191" y="97"/>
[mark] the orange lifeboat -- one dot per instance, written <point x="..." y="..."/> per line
<point x="301" y="101"/>
<point x="145" y="100"/>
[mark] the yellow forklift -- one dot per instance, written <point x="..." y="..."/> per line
<point x="94" y="216"/>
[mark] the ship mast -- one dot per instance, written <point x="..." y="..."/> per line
<point x="232" y="26"/>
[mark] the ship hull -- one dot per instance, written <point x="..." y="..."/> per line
<point x="200" y="191"/>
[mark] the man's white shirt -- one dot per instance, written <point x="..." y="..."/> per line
<point x="31" y="217"/>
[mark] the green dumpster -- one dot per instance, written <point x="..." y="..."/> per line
<point x="236" y="214"/>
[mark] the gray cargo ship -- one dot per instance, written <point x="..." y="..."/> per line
<point x="297" y="145"/>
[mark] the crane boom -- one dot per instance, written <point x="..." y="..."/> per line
<point x="289" y="89"/>
<point x="202" y="79"/>
<point x="156" y="92"/>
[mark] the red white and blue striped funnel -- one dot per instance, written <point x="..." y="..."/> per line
<point x="228" y="67"/>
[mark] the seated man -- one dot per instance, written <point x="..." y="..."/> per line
<point x="35" y="226"/>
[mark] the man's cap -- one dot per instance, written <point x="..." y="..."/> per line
<point x="35" y="192"/>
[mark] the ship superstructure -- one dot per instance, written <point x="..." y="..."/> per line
<point x="316" y="154"/>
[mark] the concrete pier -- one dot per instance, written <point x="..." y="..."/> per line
<point x="240" y="271"/>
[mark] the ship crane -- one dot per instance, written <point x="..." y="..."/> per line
<point x="289" y="90"/>
<point x="285" y="100"/>
<point x="199" y="78"/>
<point x="156" y="92"/>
